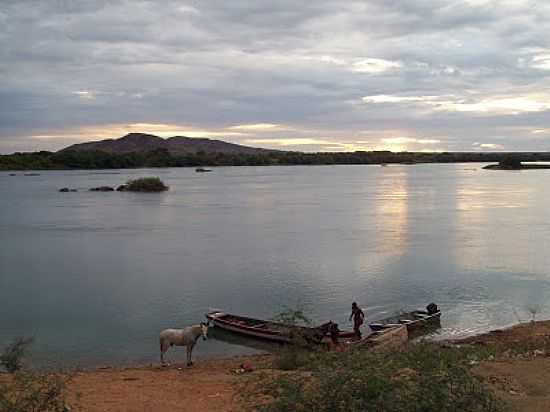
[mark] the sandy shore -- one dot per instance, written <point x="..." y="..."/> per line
<point x="213" y="385"/>
<point x="208" y="385"/>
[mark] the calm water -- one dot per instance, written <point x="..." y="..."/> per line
<point x="95" y="276"/>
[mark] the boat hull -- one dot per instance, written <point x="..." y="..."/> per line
<point x="384" y="338"/>
<point x="266" y="330"/>
<point x="414" y="321"/>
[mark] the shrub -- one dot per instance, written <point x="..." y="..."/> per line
<point x="423" y="377"/>
<point x="293" y="317"/>
<point x="510" y="162"/>
<point x="26" y="391"/>
<point x="291" y="357"/>
<point x="294" y="355"/>
<point x="12" y="355"/>
<point x="146" y="184"/>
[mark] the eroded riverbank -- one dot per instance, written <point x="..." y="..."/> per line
<point x="517" y="373"/>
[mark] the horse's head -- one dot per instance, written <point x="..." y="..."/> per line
<point x="204" y="330"/>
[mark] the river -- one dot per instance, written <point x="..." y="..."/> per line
<point x="94" y="277"/>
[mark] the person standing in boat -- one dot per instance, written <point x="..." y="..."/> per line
<point x="358" y="317"/>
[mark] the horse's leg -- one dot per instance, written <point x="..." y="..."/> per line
<point x="163" y="349"/>
<point x="189" y="353"/>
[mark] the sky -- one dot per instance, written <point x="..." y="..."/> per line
<point x="416" y="75"/>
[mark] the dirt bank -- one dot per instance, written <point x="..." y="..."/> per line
<point x="520" y="375"/>
<point x="209" y="385"/>
<point x="213" y="385"/>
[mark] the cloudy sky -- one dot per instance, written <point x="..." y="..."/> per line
<point x="322" y="75"/>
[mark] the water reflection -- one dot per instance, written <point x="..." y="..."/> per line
<point x="391" y="213"/>
<point x="111" y="270"/>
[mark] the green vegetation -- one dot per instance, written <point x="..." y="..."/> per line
<point x="297" y="354"/>
<point x="12" y="356"/>
<point x="421" y="378"/>
<point x="23" y="390"/>
<point x="510" y="162"/>
<point x="291" y="316"/>
<point x="28" y="391"/>
<point x="96" y="159"/>
<point x="145" y="184"/>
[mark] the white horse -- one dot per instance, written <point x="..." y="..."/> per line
<point x="182" y="337"/>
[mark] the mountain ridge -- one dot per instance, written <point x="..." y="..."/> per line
<point x="145" y="142"/>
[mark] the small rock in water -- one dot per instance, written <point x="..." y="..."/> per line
<point x="121" y="188"/>
<point x="102" y="189"/>
<point x="64" y="189"/>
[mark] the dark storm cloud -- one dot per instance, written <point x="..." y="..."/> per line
<point x="452" y="75"/>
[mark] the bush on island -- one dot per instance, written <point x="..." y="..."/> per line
<point x="510" y="162"/>
<point x="145" y="184"/>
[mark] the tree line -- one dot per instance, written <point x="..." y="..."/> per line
<point x="96" y="159"/>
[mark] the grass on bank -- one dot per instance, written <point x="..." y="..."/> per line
<point x="422" y="377"/>
<point x="146" y="184"/>
<point x="23" y="390"/>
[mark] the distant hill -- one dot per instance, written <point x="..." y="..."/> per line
<point x="177" y="145"/>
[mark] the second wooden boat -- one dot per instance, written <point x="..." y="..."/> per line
<point x="414" y="320"/>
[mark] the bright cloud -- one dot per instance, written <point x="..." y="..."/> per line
<point x="541" y="61"/>
<point x="385" y="98"/>
<point x="491" y="105"/>
<point x="85" y="94"/>
<point x="374" y="66"/>
<point x="404" y="140"/>
<point x="487" y="146"/>
<point x="256" y="127"/>
<point x="290" y="142"/>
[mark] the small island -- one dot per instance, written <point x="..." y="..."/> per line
<point x="514" y="163"/>
<point x="144" y="184"/>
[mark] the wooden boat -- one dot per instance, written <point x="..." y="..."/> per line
<point x="384" y="338"/>
<point x="269" y="330"/>
<point x="414" y="320"/>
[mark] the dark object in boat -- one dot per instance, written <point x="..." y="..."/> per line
<point x="273" y="331"/>
<point x="202" y="170"/>
<point x="414" y="320"/>
<point x="432" y="308"/>
<point x="102" y="189"/>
